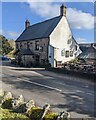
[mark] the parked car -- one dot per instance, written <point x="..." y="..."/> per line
<point x="4" y="58"/>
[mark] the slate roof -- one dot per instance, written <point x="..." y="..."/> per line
<point x="39" y="30"/>
<point x="83" y="48"/>
<point x="25" y="52"/>
<point x="90" y="53"/>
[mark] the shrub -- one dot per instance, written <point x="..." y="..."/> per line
<point x="7" y="104"/>
<point x="6" y="114"/>
<point x="50" y="116"/>
<point x="21" y="108"/>
<point x="35" y="113"/>
<point x="1" y="98"/>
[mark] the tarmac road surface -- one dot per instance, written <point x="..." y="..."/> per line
<point x="63" y="92"/>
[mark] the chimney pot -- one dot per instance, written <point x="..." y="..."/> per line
<point x="63" y="10"/>
<point x="27" y="24"/>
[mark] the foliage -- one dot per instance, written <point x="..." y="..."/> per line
<point x="50" y="116"/>
<point x="35" y="113"/>
<point x="1" y="98"/>
<point x="73" y="61"/>
<point x="5" y="47"/>
<point x="11" y="54"/>
<point x="6" y="114"/>
<point x="7" y="104"/>
<point x="12" y="43"/>
<point x="21" y="108"/>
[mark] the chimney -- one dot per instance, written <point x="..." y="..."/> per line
<point x="63" y="10"/>
<point x="27" y="24"/>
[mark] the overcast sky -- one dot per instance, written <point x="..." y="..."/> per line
<point x="80" y="16"/>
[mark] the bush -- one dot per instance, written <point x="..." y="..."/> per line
<point x="7" y="104"/>
<point x="35" y="113"/>
<point x="20" y="109"/>
<point x="1" y="98"/>
<point x="50" y="116"/>
<point x="6" y="114"/>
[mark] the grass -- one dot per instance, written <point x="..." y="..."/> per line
<point x="6" y="114"/>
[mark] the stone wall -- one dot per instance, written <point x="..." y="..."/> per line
<point x="42" y="53"/>
<point x="28" y="108"/>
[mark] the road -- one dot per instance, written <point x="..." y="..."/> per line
<point x="63" y="92"/>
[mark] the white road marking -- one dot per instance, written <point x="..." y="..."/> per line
<point x="46" y="77"/>
<point x="42" y="85"/>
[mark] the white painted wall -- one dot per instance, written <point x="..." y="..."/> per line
<point x="59" y="41"/>
<point x="51" y="55"/>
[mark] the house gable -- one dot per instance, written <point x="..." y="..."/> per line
<point x="61" y="39"/>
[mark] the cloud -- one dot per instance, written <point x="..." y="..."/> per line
<point x="77" y="18"/>
<point x="0" y="31"/>
<point x="44" y="9"/>
<point x="9" y="34"/>
<point x="81" y="40"/>
<point x="12" y="34"/>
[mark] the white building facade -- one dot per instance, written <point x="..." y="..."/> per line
<point x="50" y="41"/>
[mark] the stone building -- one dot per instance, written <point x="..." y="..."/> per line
<point x="48" y="42"/>
<point x="88" y="53"/>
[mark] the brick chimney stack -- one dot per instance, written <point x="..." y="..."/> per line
<point x="27" y="24"/>
<point x="63" y="10"/>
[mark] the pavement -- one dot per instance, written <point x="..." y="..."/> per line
<point x="62" y="92"/>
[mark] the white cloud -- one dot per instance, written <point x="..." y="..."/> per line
<point x="12" y="34"/>
<point x="0" y="31"/>
<point x="9" y="34"/>
<point x="81" y="40"/>
<point x="44" y="9"/>
<point x="77" y="18"/>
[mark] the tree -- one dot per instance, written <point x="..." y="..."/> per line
<point x="5" y="47"/>
<point x="12" y="43"/>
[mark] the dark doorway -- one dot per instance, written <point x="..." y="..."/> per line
<point x="37" y="58"/>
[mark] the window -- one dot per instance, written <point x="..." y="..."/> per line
<point x="20" y="44"/>
<point x="41" y="48"/>
<point x="43" y="61"/>
<point x="69" y="41"/>
<point x="71" y="53"/>
<point x="59" y="62"/>
<point x="37" y="45"/>
<point x="67" y="54"/>
<point x="63" y="52"/>
<point x="28" y="45"/>
<point x="17" y="46"/>
<point x="37" y="58"/>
